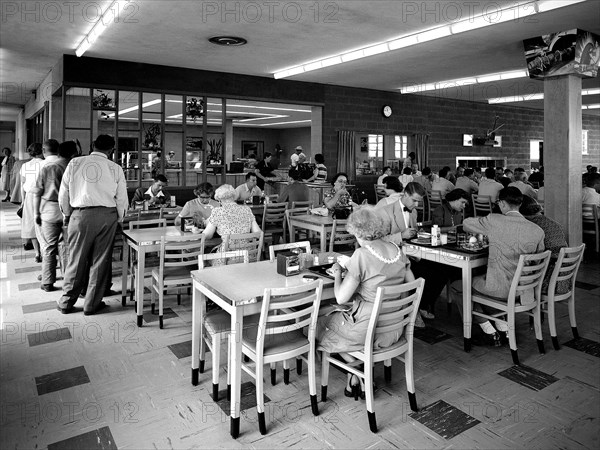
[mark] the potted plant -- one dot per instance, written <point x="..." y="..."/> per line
<point x="194" y="108"/>
<point x="101" y="100"/>
<point x="152" y="135"/>
<point x="214" y="153"/>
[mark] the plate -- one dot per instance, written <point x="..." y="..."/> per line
<point x="473" y="247"/>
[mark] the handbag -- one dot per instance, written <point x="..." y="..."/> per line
<point x="341" y="213"/>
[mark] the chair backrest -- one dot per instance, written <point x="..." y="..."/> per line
<point x="590" y="214"/>
<point x="395" y="309"/>
<point x="168" y="215"/>
<point x="435" y="199"/>
<point x="272" y="197"/>
<point x="302" y="204"/>
<point x="150" y="223"/>
<point x="295" y="212"/>
<point x="339" y="235"/>
<point x="379" y="192"/>
<point x="530" y="273"/>
<point x="278" y="247"/>
<point x="274" y="217"/>
<point x="181" y="251"/>
<point x="482" y="205"/>
<point x="234" y="256"/>
<point x="253" y="242"/>
<point x="565" y="271"/>
<point x="288" y="309"/>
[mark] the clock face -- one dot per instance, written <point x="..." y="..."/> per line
<point x="387" y="111"/>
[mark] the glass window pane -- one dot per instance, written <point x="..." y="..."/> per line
<point x="129" y="110"/>
<point x="78" y="108"/>
<point x="84" y="139"/>
<point x="152" y="102"/>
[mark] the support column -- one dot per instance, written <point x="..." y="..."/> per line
<point x="228" y="151"/>
<point x="562" y="154"/>
<point x="316" y="132"/>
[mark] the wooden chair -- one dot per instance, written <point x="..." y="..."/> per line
<point x="296" y="212"/>
<point x="591" y="222"/>
<point x="562" y="288"/>
<point x="217" y="324"/>
<point x="395" y="309"/>
<point x="151" y="262"/>
<point x="434" y="199"/>
<point x="279" y="337"/>
<point x="178" y="257"/>
<point x="169" y="216"/>
<point x="305" y="245"/>
<point x="274" y="221"/>
<point x="272" y="198"/>
<point x="482" y="205"/>
<point x="379" y="192"/>
<point x="528" y="276"/>
<point x="253" y="242"/>
<point x="340" y="237"/>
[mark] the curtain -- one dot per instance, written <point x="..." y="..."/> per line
<point x="422" y="149"/>
<point x="346" y="153"/>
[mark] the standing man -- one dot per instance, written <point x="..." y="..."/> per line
<point x="47" y="213"/>
<point x="297" y="156"/>
<point x="264" y="170"/>
<point x="93" y="198"/>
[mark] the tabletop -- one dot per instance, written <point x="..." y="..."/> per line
<point x="412" y="248"/>
<point x="150" y="236"/>
<point x="313" y="218"/>
<point x="250" y="280"/>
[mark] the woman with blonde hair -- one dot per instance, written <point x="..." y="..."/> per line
<point x="376" y="263"/>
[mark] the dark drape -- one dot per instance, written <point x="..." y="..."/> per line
<point x="422" y="149"/>
<point x="346" y="153"/>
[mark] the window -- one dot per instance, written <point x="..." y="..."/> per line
<point x="400" y="147"/>
<point x="375" y="146"/>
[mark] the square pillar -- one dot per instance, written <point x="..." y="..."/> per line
<point x="562" y="154"/>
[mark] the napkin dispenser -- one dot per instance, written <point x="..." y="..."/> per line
<point x="288" y="263"/>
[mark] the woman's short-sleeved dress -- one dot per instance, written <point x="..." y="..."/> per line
<point x="198" y="210"/>
<point x="232" y="218"/>
<point x="346" y="330"/>
<point x="344" y="200"/>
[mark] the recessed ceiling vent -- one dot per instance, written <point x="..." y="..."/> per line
<point x="228" y="41"/>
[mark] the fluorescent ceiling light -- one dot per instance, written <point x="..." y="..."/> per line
<point x="590" y="91"/>
<point x="353" y="55"/>
<point x="313" y="66"/>
<point x="436" y="33"/>
<point x="549" y="5"/>
<point x="99" y="27"/>
<point x="331" y="61"/>
<point x="376" y="49"/>
<point x="485" y="78"/>
<point x="591" y="106"/>
<point x="403" y="42"/>
<point x="539" y="96"/>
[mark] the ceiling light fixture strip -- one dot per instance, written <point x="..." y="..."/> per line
<point x="99" y="27"/>
<point x="515" y="12"/>
<point x="459" y="82"/>
<point x="539" y="96"/>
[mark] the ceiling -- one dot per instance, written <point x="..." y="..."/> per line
<point x="280" y="35"/>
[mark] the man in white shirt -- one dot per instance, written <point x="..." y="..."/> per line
<point x="93" y="198"/>
<point x="520" y="184"/>
<point x="467" y="183"/>
<point x="249" y="189"/>
<point x="297" y="156"/>
<point x="442" y="184"/>
<point x="155" y="194"/>
<point x="589" y="194"/>
<point x="489" y="186"/>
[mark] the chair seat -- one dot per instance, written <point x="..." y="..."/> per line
<point x="173" y="274"/>
<point x="381" y="354"/>
<point x="220" y="322"/>
<point x="499" y="304"/>
<point x="292" y="342"/>
<point x="150" y="261"/>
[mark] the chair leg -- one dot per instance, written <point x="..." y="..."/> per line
<point x="537" y="320"/>
<point x="273" y="375"/>
<point x="410" y="379"/>
<point x="387" y="370"/>
<point x="572" y="315"/>
<point x="228" y="368"/>
<point x="312" y="380"/>
<point x="369" y="396"/>
<point x="512" y="338"/>
<point x="161" y="295"/>
<point x="324" y="375"/>
<point x="260" y="406"/>
<point x="286" y="372"/>
<point x="552" y="323"/>
<point x="299" y="366"/>
<point x="152" y="297"/>
<point x="178" y="297"/>
<point x="216" y="362"/>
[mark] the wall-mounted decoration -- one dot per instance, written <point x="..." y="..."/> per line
<point x="467" y="140"/>
<point x="253" y="147"/>
<point x="364" y="144"/>
<point x="498" y="141"/>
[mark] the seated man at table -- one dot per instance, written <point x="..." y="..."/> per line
<point x="510" y="236"/>
<point x="155" y="194"/>
<point x="589" y="194"/>
<point x="249" y="189"/>
<point x="521" y="184"/>
<point x="200" y="208"/>
<point x="443" y="184"/>
<point x="403" y="214"/>
<point x="489" y="186"/>
<point x="294" y="191"/>
<point x="467" y="183"/>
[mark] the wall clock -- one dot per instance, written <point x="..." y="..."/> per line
<point x="387" y="111"/>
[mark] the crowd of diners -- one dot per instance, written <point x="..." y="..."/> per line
<point x="72" y="206"/>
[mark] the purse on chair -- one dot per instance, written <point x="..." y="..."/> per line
<point x="342" y="213"/>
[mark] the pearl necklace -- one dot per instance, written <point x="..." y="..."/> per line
<point x="381" y="258"/>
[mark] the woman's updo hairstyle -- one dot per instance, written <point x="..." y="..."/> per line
<point x="365" y="223"/>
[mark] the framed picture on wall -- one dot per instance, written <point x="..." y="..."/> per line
<point x="364" y="144"/>
<point x="253" y="147"/>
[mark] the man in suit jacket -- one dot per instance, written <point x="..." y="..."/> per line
<point x="510" y="235"/>
<point x="403" y="214"/>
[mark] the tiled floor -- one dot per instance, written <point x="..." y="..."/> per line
<point x="100" y="382"/>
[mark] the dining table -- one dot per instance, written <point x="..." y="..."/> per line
<point x="143" y="241"/>
<point x="239" y="299"/>
<point x="313" y="222"/>
<point x="454" y="255"/>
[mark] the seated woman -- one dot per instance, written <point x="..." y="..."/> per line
<point x="376" y="263"/>
<point x="451" y="213"/>
<point x="338" y="196"/>
<point x="320" y="172"/>
<point x="554" y="239"/>
<point x="155" y="194"/>
<point x="393" y="188"/>
<point x="200" y="208"/>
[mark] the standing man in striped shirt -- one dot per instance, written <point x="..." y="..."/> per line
<point x="93" y="198"/>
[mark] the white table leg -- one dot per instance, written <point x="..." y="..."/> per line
<point x="323" y="239"/>
<point x="139" y="284"/>
<point x="124" y="269"/>
<point x="235" y="355"/>
<point x="197" y="319"/>
<point x="467" y="305"/>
